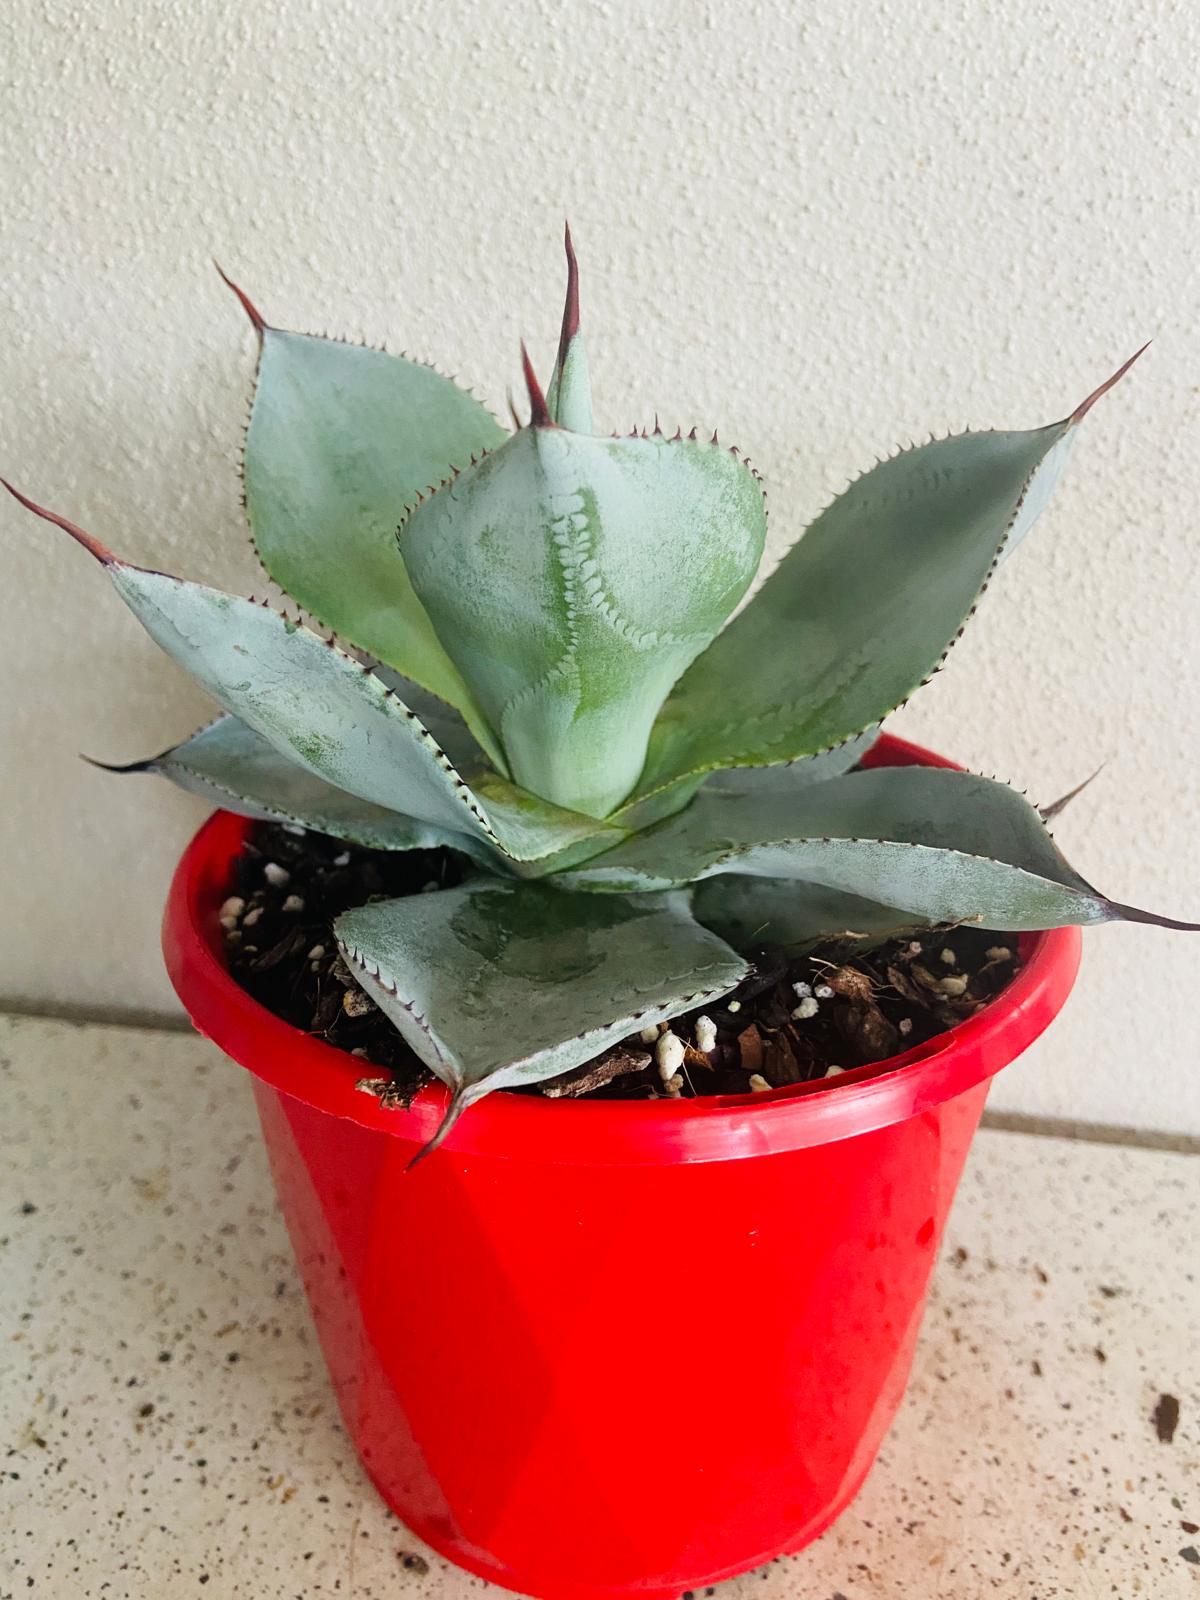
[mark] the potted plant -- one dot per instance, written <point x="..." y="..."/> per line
<point x="640" y="1339"/>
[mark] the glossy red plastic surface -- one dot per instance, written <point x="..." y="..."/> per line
<point x="594" y="1349"/>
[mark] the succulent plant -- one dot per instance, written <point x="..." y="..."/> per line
<point x="520" y="648"/>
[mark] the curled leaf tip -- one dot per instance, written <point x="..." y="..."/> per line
<point x="539" y="411"/>
<point x="453" y="1111"/>
<point x="1082" y="409"/>
<point x="570" y="318"/>
<point x="117" y="766"/>
<point x="257" y="320"/>
<point x="91" y="544"/>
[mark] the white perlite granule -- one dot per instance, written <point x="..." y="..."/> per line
<point x="706" y="1034"/>
<point x="668" y="1053"/>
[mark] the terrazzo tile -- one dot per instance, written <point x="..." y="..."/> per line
<point x="167" y="1428"/>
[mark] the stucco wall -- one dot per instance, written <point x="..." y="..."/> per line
<point x="825" y="229"/>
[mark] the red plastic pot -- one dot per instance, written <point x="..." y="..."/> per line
<point x="592" y="1349"/>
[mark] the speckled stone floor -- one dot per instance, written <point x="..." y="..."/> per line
<point x="167" y="1429"/>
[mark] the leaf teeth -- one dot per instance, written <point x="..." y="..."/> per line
<point x="679" y="437"/>
<point x="1085" y="406"/>
<point x="89" y="542"/>
<point x="380" y="347"/>
<point x="431" y="491"/>
<point x="257" y="320"/>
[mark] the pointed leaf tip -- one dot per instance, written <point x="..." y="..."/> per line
<point x="1085" y="406"/>
<point x="1057" y="807"/>
<point x="454" y="1110"/>
<point x="91" y="544"/>
<point x="1152" y="918"/>
<point x="117" y="766"/>
<point x="570" y="318"/>
<point x="539" y="411"/>
<point x="258" y="321"/>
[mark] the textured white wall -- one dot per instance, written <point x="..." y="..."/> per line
<point x="825" y="229"/>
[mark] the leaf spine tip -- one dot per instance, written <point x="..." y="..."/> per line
<point x="90" y="543"/>
<point x="570" y="316"/>
<point x="119" y="767"/>
<point x="1055" y="809"/>
<point x="539" y="412"/>
<point x="257" y="320"/>
<point x="1085" y="406"/>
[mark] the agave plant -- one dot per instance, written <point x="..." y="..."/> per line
<point x="519" y="648"/>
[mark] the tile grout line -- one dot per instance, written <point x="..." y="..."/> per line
<point x="1089" y="1132"/>
<point x="98" y="1016"/>
<point x="1078" y="1131"/>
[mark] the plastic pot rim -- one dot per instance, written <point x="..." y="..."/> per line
<point x="599" y="1132"/>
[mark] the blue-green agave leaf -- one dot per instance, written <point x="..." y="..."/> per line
<point x="323" y="709"/>
<point x="946" y="846"/>
<point x="673" y="797"/>
<point x="235" y="768"/>
<point x="793" y="916"/>
<point x="496" y="985"/>
<point x="528" y="823"/>
<point x="448" y="726"/>
<point x="573" y="579"/>
<point x="342" y="439"/>
<point x="865" y="605"/>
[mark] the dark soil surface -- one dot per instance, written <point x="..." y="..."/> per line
<point x="791" y="1021"/>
